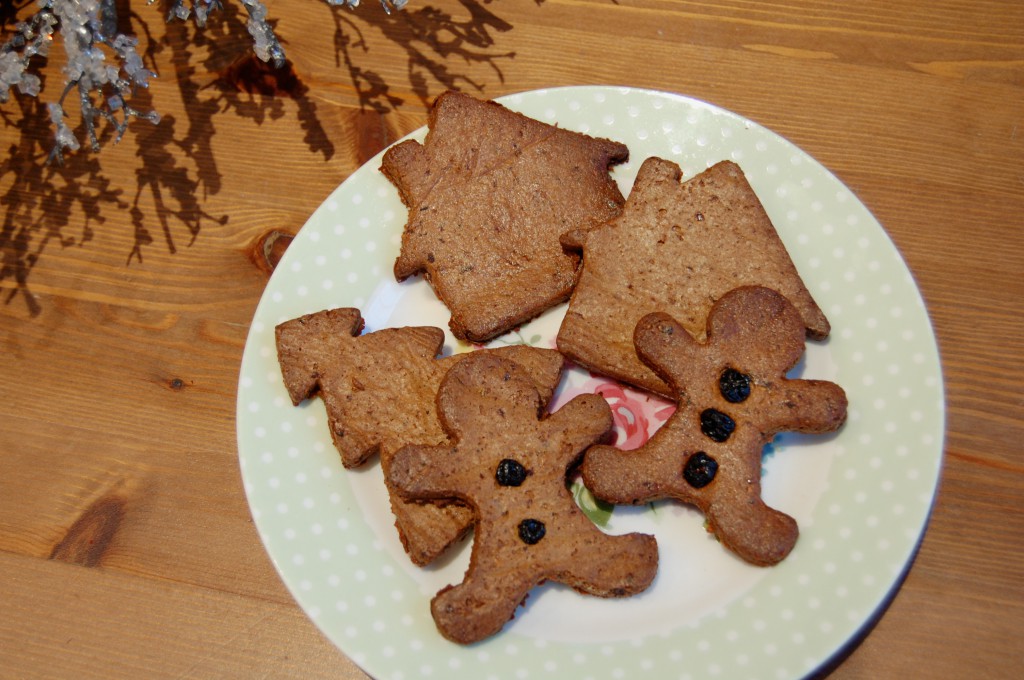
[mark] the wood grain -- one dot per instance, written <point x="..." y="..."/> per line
<point x="129" y="279"/>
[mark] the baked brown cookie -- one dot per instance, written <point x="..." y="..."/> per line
<point x="733" y="397"/>
<point x="379" y="391"/>
<point x="676" y="248"/>
<point x="489" y="192"/>
<point x="509" y="463"/>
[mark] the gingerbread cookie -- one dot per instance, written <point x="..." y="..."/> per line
<point x="676" y="248"/>
<point x="489" y="192"/>
<point x="733" y="396"/>
<point x="509" y="463"/>
<point x="379" y="392"/>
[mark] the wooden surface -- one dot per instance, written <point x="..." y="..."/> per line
<point x="130" y="277"/>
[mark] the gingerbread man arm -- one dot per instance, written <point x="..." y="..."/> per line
<point x="631" y="477"/>
<point x="663" y="340"/>
<point x="425" y="472"/>
<point x="812" y="406"/>
<point x="590" y="409"/>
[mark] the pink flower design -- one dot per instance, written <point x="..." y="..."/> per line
<point x="636" y="414"/>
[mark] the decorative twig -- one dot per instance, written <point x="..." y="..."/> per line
<point x="103" y="66"/>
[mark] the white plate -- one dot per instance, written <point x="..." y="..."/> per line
<point x="862" y="497"/>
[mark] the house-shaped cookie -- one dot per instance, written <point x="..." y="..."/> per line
<point x="489" y="193"/>
<point x="677" y="248"/>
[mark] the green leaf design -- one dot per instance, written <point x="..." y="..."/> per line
<point x="514" y="337"/>
<point x="597" y="510"/>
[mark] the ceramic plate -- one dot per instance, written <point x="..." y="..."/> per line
<point x="861" y="496"/>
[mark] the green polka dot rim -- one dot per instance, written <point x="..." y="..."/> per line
<point x="861" y="496"/>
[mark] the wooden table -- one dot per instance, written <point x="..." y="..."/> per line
<point x="130" y="278"/>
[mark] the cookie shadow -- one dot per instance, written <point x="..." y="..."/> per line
<point x="431" y="39"/>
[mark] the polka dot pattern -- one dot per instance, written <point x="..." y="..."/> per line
<point x="861" y="497"/>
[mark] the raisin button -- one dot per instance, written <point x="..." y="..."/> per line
<point x="510" y="473"/>
<point x="700" y="470"/>
<point x="716" y="424"/>
<point x="734" y="386"/>
<point x="531" y="531"/>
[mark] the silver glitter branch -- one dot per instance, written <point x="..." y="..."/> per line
<point x="265" y="42"/>
<point x="103" y="67"/>
<point x="31" y="38"/>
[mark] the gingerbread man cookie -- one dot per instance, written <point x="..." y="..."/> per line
<point x="509" y="464"/>
<point x="733" y="397"/>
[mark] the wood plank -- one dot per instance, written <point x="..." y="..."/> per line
<point x="63" y="620"/>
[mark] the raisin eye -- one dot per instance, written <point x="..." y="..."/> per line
<point x="700" y="470"/>
<point x="716" y="424"/>
<point x="510" y="473"/>
<point x="734" y="386"/>
<point x="531" y="531"/>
